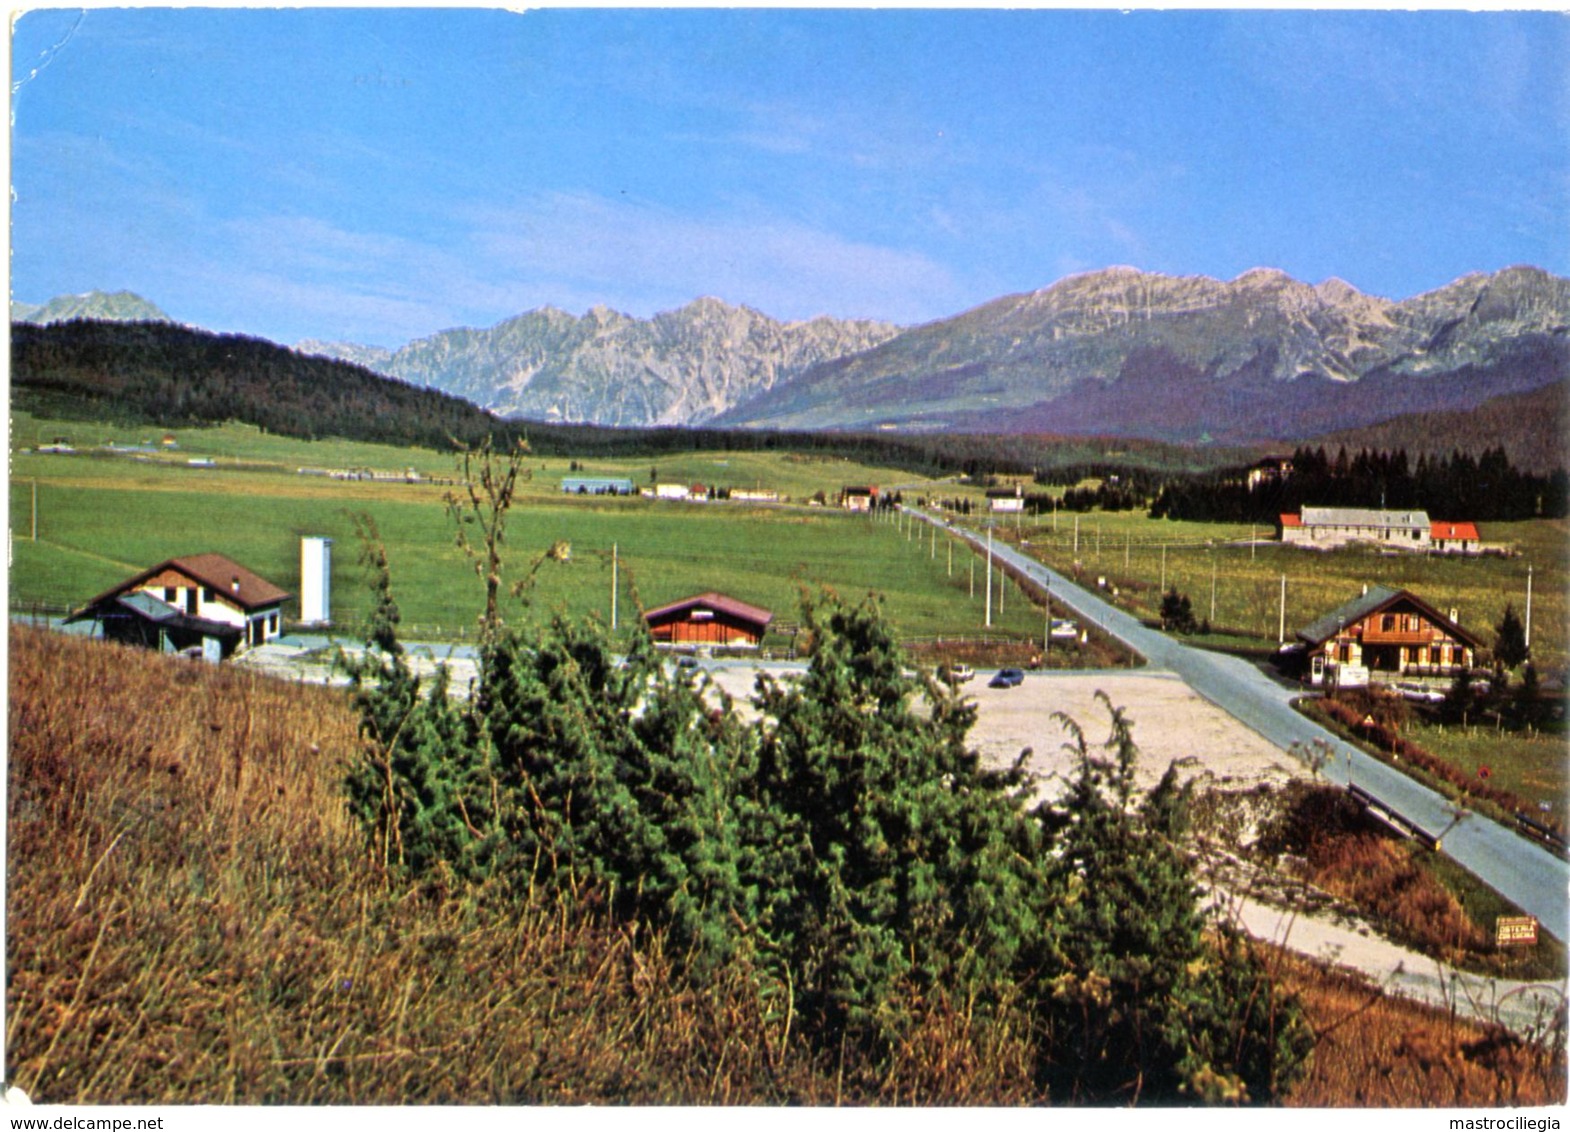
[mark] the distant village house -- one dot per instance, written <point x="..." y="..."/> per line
<point x="858" y="498"/>
<point x="1269" y="470"/>
<point x="202" y="601"/>
<point x="1006" y="499"/>
<point x="1456" y="538"/>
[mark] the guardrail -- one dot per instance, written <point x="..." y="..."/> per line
<point x="1391" y="819"/>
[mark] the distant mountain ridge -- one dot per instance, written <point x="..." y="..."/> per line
<point x="118" y="306"/>
<point x="681" y="367"/>
<point x="1131" y="353"/>
<point x="1121" y="352"/>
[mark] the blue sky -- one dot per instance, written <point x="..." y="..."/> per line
<point x="377" y="175"/>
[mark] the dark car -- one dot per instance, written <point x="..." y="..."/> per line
<point x="1007" y="678"/>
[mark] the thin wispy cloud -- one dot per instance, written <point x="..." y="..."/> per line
<point x="785" y="269"/>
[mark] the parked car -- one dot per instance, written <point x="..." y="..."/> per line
<point x="1007" y="678"/>
<point x="1420" y="693"/>
<point x="1064" y="630"/>
<point x="956" y="673"/>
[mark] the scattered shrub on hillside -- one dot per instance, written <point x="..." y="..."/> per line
<point x="1146" y="1002"/>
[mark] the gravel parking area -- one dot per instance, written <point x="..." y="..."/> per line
<point x="1169" y="722"/>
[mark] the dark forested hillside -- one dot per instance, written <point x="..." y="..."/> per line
<point x="1457" y="487"/>
<point x="1533" y="429"/>
<point x="171" y="375"/>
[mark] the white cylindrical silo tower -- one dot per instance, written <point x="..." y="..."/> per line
<point x="316" y="563"/>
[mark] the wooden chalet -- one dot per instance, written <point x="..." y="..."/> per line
<point x="1384" y="635"/>
<point x="204" y="601"/>
<point x="709" y="619"/>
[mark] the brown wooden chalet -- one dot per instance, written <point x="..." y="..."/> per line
<point x="202" y="601"/>
<point x="1383" y="635"/>
<point x="709" y="619"/>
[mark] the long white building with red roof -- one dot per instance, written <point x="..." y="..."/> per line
<point x="1326" y="528"/>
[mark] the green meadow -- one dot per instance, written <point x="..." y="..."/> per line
<point x="99" y="518"/>
<point x="1144" y="557"/>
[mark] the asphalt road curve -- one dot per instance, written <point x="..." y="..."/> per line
<point x="1528" y="875"/>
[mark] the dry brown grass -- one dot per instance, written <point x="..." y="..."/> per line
<point x="1377" y="874"/>
<point x="192" y="919"/>
<point x="1382" y="1052"/>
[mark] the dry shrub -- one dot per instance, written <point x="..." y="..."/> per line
<point x="193" y="919"/>
<point x="1381" y="1051"/>
<point x="1373" y="871"/>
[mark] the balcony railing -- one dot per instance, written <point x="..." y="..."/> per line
<point x="1398" y="636"/>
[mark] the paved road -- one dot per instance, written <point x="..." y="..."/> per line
<point x="1525" y="873"/>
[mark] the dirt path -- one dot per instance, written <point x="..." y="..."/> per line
<point x="1526" y="1008"/>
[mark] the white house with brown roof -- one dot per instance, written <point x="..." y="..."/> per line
<point x="201" y="599"/>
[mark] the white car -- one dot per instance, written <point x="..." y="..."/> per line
<point x="1420" y="693"/>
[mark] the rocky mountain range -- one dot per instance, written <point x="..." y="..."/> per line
<point x="681" y="367"/>
<point x="1190" y="358"/>
<point x="1118" y="352"/>
<point x="118" y="306"/>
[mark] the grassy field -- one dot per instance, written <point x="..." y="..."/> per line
<point x="99" y="518"/>
<point x="1528" y="763"/>
<point x="1144" y="557"/>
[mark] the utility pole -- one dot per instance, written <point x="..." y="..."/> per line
<point x="1528" y="596"/>
<point x="1076" y="536"/>
<point x="615" y="571"/>
<point x="1003" y="586"/>
<point x="1046" y="617"/>
<point x="989" y="577"/>
<point x="1281" y="632"/>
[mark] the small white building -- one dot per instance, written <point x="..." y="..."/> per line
<point x="672" y="491"/>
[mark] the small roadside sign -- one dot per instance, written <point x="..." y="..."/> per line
<point x="1515" y="931"/>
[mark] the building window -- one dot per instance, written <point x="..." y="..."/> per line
<point x="207" y="593"/>
<point x="169" y="594"/>
<point x="272" y="623"/>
